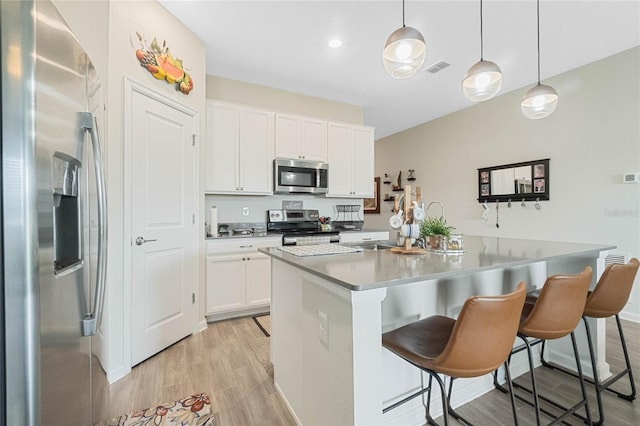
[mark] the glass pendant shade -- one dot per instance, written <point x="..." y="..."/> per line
<point x="539" y="102"/>
<point x="482" y="82"/>
<point x="404" y="52"/>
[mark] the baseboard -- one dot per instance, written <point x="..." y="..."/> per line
<point x="202" y="326"/>
<point x="237" y="314"/>
<point x="117" y="374"/>
<point x="286" y="403"/>
<point x="630" y="316"/>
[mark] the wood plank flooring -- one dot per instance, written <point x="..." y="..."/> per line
<point x="230" y="361"/>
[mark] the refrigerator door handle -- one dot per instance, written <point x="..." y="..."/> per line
<point x="92" y="319"/>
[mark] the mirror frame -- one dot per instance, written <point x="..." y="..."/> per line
<point x="484" y="183"/>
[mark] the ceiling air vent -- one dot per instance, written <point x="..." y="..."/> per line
<point x="437" y="67"/>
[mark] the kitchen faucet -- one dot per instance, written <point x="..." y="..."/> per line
<point x="438" y="203"/>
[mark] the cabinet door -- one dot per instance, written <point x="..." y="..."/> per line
<point x="256" y="152"/>
<point x="222" y="149"/>
<point x="340" y="160"/>
<point x="362" y="166"/>
<point x="300" y="138"/>
<point x="313" y="139"/>
<point x="226" y="278"/>
<point x="258" y="273"/>
<point x="287" y="137"/>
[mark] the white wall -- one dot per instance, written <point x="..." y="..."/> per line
<point x="107" y="29"/>
<point x="277" y="100"/>
<point x="592" y="138"/>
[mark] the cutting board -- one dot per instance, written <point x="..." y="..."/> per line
<point x="412" y="250"/>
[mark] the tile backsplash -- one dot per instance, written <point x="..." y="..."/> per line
<point x="231" y="208"/>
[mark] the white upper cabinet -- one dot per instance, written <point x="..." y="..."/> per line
<point x="300" y="138"/>
<point x="351" y="156"/>
<point x="239" y="150"/>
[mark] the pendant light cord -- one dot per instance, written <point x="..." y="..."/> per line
<point x="403" y="25"/>
<point x="481" y="39"/>
<point x="538" y="16"/>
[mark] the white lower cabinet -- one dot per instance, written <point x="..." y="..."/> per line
<point x="238" y="277"/>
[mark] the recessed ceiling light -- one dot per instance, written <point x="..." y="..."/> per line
<point x="335" y="43"/>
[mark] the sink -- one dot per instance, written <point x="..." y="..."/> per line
<point x="374" y="245"/>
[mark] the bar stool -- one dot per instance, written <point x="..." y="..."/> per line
<point x="606" y="300"/>
<point x="477" y="343"/>
<point x="554" y="314"/>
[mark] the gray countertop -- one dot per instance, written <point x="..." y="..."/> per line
<point x="371" y="269"/>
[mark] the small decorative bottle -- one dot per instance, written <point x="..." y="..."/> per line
<point x="387" y="179"/>
<point x="410" y="176"/>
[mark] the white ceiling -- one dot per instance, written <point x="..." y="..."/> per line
<point x="283" y="44"/>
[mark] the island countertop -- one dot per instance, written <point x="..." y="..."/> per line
<point x="370" y="269"/>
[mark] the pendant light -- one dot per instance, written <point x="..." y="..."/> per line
<point x="484" y="79"/>
<point x="541" y="100"/>
<point x="404" y="51"/>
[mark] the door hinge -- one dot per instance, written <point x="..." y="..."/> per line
<point x="193" y="139"/>
<point x="193" y="298"/>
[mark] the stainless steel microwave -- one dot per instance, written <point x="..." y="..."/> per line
<point x="291" y="176"/>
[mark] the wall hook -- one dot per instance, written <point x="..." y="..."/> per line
<point x="509" y="203"/>
<point x="538" y="206"/>
<point x="485" y="211"/>
<point x="523" y="204"/>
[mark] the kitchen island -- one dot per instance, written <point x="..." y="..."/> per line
<point x="328" y="314"/>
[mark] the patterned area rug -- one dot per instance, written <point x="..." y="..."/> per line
<point x="264" y="323"/>
<point x="191" y="411"/>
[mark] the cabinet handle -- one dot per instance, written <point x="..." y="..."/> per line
<point x="249" y="246"/>
<point x="366" y="239"/>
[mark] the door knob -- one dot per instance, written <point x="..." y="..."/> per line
<point x="140" y="241"/>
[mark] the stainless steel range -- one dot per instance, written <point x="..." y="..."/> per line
<point x="299" y="227"/>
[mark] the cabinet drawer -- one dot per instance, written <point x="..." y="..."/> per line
<point x="234" y="245"/>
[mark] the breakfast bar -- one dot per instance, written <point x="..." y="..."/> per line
<point x="328" y="312"/>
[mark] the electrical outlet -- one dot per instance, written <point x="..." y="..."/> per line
<point x="245" y="211"/>
<point x="323" y="328"/>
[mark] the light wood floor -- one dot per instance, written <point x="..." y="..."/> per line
<point x="230" y="361"/>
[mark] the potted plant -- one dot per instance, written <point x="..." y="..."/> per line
<point x="437" y="230"/>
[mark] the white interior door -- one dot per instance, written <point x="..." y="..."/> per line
<point x="163" y="204"/>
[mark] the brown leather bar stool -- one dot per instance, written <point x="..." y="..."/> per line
<point x="475" y="344"/>
<point x="554" y="314"/>
<point x="607" y="299"/>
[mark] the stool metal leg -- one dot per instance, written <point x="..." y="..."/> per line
<point x="536" y="402"/>
<point x="632" y="395"/>
<point x="511" y="393"/>
<point x="581" y="377"/>
<point x="443" y="395"/>
<point x="601" y="386"/>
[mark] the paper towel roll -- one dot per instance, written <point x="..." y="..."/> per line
<point x="213" y="221"/>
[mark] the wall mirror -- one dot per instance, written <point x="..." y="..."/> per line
<point x="527" y="181"/>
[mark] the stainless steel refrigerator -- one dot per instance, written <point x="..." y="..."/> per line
<point x="53" y="234"/>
